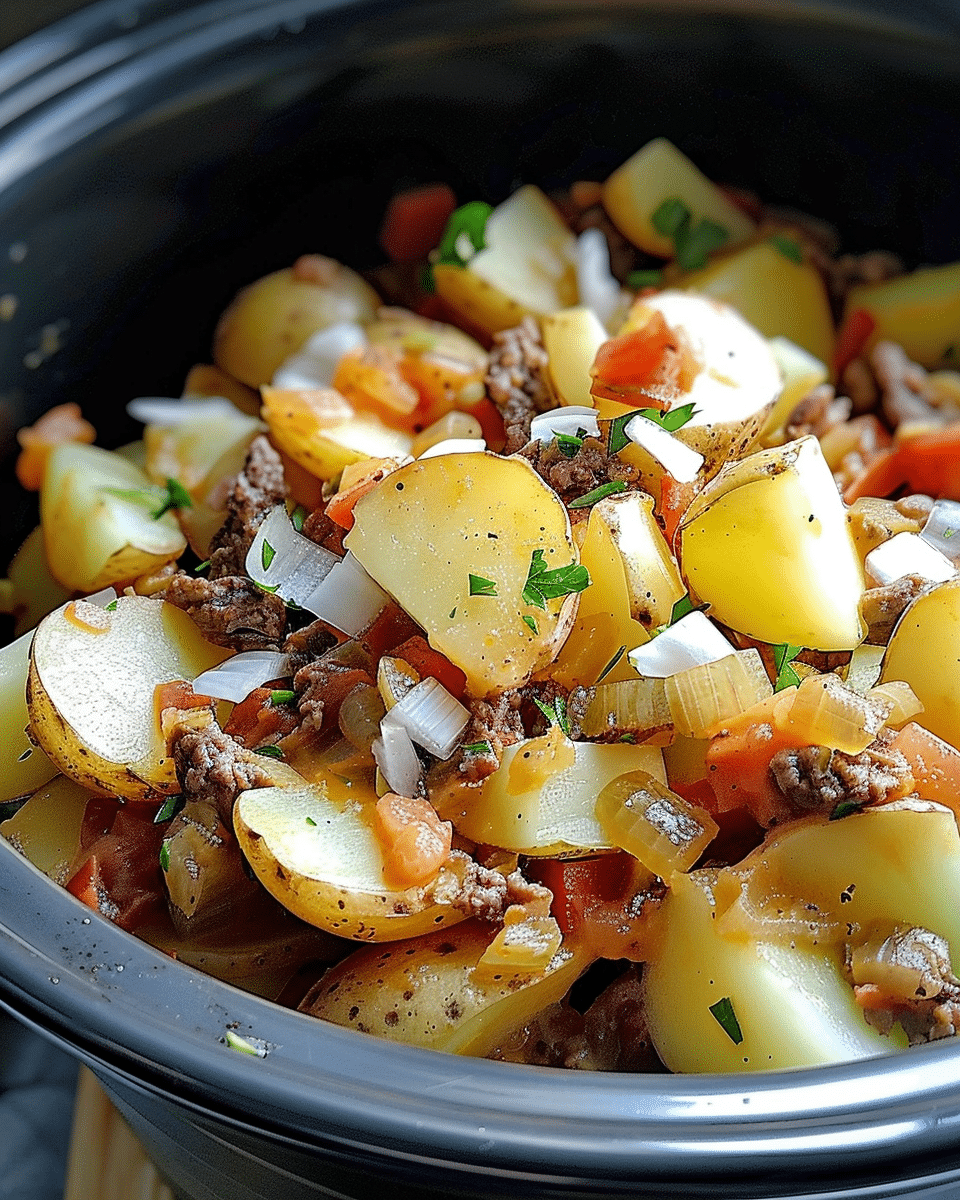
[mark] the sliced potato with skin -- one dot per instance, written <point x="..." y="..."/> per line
<point x="526" y="266"/>
<point x="25" y="766"/>
<point x="432" y="993"/>
<point x="47" y="829"/>
<point x="787" y="1005"/>
<point x="767" y="544"/>
<point x="273" y="317"/>
<point x="453" y="540"/>
<point x="95" y="536"/>
<point x="90" y="692"/>
<point x="322" y="860"/>
<point x="35" y="592"/>
<point x="924" y="652"/>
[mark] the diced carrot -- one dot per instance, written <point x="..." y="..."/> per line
<point x="491" y="422"/>
<point x="927" y="462"/>
<point x="738" y="759"/>
<point x="371" y="379"/>
<point x="851" y="338"/>
<point x="178" y="694"/>
<point x="257" y="720"/>
<point x="935" y="764"/>
<point x="415" y="841"/>
<point x="64" y="423"/>
<point x="340" y="506"/>
<point x="429" y="662"/>
<point x="415" y="220"/>
<point x="84" y="883"/>
<point x="590" y="901"/>
<point x="675" y="499"/>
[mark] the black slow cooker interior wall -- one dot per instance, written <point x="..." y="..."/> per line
<point x="191" y="198"/>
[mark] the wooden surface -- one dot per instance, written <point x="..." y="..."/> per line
<point x="106" y="1161"/>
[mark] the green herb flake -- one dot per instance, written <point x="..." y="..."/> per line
<point x="478" y="748"/>
<point x="544" y="584"/>
<point x="164" y="857"/>
<point x="482" y="587"/>
<point x="311" y="821"/>
<point x="266" y="587"/>
<point x="671" y="419"/>
<point x="787" y="247"/>
<point x="169" y="809"/>
<point x="531" y="624"/>
<point x="783" y="656"/>
<point x="611" y="664"/>
<point x="598" y="493"/>
<point x="692" y="244"/>
<point x="201" y="566"/>
<point x="638" y="280"/>
<point x="726" y="1018"/>
<point x="670" y="217"/>
<point x="846" y="808"/>
<point x="177" y="496"/>
<point x="568" y="444"/>
<point x="269" y="751"/>
<point x="282" y="696"/>
<point x="111" y="607"/>
<point x="267" y="555"/>
<point x="948" y="533"/>
<point x="556" y="713"/>
<point x="465" y="234"/>
<point x="453" y="613"/>
<point x="298" y="516"/>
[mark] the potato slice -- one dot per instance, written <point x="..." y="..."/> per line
<point x="924" y="652"/>
<point x="571" y="338"/>
<point x="782" y="1005"/>
<point x="25" y="766"/>
<point x="47" y="829"/>
<point x="920" y="311"/>
<point x="657" y="172"/>
<point x="779" y="297"/>
<point x="768" y="546"/>
<point x="801" y="374"/>
<point x="34" y="591"/>
<point x="525" y="267"/>
<point x="90" y="692"/>
<point x="433" y="993"/>
<point x="96" y="514"/>
<point x="541" y="800"/>
<point x="321" y="859"/>
<point x="454" y="539"/>
<point x="272" y="318"/>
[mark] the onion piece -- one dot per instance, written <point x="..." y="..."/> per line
<point x="693" y="641"/>
<point x="828" y="713"/>
<point x="567" y="420"/>
<point x="455" y="446"/>
<point x="431" y="716"/>
<point x="942" y="529"/>
<point x="394" y="754"/>
<point x="285" y="562"/>
<point x="348" y="599"/>
<point x="235" y="678"/>
<point x="168" y="412"/>
<point x="675" y="457"/>
<point x="315" y="363"/>
<point x="599" y="289"/>
<point x="701" y="698"/>
<point x="908" y="554"/>
<point x="630" y="706"/>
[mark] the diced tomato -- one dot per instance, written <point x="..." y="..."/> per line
<point x="625" y="363"/>
<point x="429" y="662"/>
<point x="415" y="220"/>
<point x="415" y="841"/>
<point x="927" y="462"/>
<point x="119" y="873"/>
<point x="340" y="506"/>
<point x="390" y="628"/>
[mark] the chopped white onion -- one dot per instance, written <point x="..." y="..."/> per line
<point x="942" y="529"/>
<point x="693" y="641"/>
<point x="315" y="363"/>
<point x="348" y="599"/>
<point x="235" y="678"/>
<point x="907" y="554"/>
<point x="455" y="446"/>
<point x="285" y="561"/>
<point x="168" y="412"/>
<point x="394" y="754"/>
<point x="433" y="718"/>
<point x="682" y="462"/>
<point x="598" y="288"/>
<point x="569" y="419"/>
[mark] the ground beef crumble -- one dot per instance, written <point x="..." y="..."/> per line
<point x="817" y="779"/>
<point x="573" y="477"/>
<point x="486" y="892"/>
<point x="516" y="382"/>
<point x="881" y="607"/>
<point x="230" y="611"/>
<point x="211" y="766"/>
<point x="259" y="487"/>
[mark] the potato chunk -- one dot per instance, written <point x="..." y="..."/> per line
<point x="459" y="541"/>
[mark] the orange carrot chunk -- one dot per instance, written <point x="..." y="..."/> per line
<point x="415" y="841"/>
